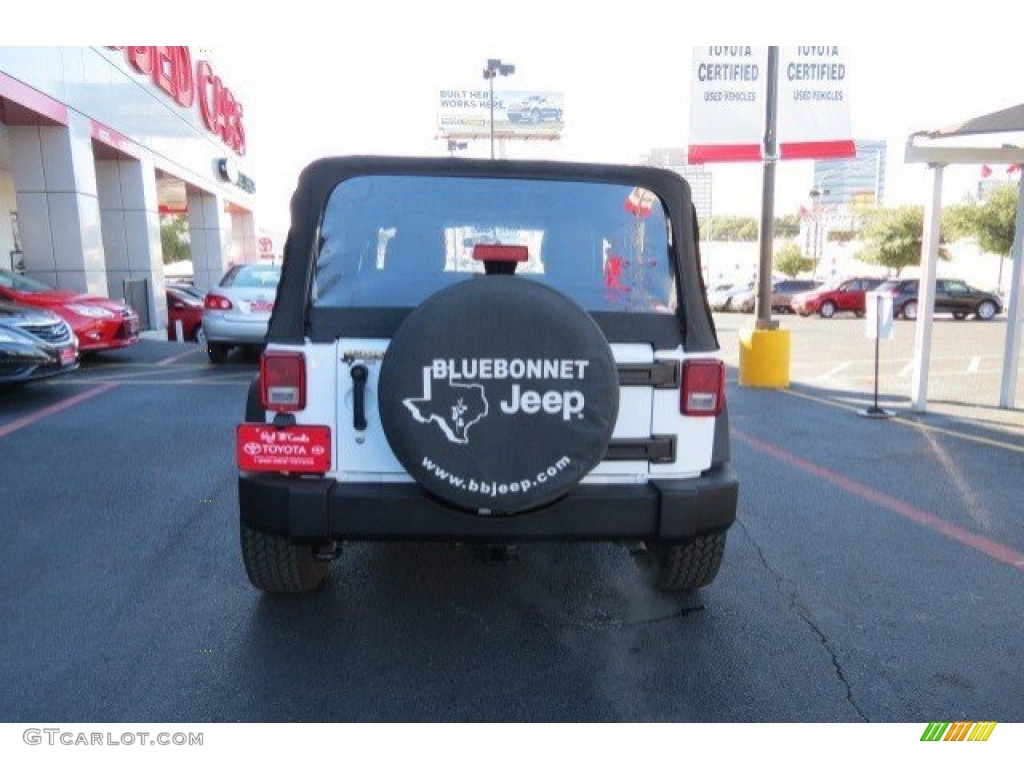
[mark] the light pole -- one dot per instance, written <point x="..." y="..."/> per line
<point x="494" y="68"/>
<point x="844" y="179"/>
<point x="816" y="194"/>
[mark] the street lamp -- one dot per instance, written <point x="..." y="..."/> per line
<point x="494" y="68"/>
<point x="816" y="194"/>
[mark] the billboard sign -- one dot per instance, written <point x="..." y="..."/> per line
<point x="465" y="113"/>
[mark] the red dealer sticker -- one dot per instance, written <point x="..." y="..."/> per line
<point x="265" y="448"/>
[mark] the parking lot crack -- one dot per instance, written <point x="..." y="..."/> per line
<point x="760" y="552"/>
<point x="805" y="615"/>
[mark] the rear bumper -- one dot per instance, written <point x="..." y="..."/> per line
<point x="320" y="509"/>
<point x="225" y="329"/>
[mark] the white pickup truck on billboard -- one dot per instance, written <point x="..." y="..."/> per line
<point x="465" y="113"/>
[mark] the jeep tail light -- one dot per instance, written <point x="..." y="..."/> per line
<point x="283" y="381"/>
<point x="703" y="390"/>
<point x="213" y="301"/>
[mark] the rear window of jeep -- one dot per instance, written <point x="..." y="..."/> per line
<point x="392" y="241"/>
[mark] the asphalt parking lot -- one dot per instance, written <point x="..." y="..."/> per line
<point x="875" y="572"/>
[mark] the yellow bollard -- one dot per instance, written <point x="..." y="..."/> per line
<point x="764" y="358"/>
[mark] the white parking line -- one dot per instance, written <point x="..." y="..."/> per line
<point x="907" y="369"/>
<point x="974" y="365"/>
<point x="834" y="371"/>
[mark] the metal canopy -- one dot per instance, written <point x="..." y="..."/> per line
<point x="920" y="149"/>
<point x="1004" y="121"/>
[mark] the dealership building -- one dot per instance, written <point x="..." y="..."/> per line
<point x="96" y="144"/>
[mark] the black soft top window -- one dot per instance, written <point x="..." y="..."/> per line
<point x="391" y="241"/>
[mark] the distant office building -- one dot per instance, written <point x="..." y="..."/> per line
<point x="698" y="177"/>
<point x="856" y="183"/>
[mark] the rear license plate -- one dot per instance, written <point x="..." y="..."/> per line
<point x="67" y="355"/>
<point x="262" y="306"/>
<point x="265" y="448"/>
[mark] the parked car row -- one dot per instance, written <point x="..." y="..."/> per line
<point x="809" y="297"/>
<point x="44" y="330"/>
<point x="720" y="297"/>
<point x="99" y="323"/>
<point x="955" y="297"/>
<point x="232" y="314"/>
<point x="741" y="297"/>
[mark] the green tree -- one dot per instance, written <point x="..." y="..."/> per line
<point x="991" y="220"/>
<point x="174" y="239"/>
<point x="790" y="261"/>
<point x="730" y="228"/>
<point x="746" y="228"/>
<point x="893" y="237"/>
<point x="787" y="226"/>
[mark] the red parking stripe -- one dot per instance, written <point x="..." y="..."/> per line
<point x="993" y="549"/>
<point x="49" y="410"/>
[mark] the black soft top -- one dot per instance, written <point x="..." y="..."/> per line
<point x="288" y="324"/>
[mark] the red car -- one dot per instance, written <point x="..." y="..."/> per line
<point x="847" y="296"/>
<point x="185" y="304"/>
<point x="99" y="323"/>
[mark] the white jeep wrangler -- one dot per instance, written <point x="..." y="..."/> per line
<point x="489" y="352"/>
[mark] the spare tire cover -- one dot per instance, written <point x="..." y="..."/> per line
<point x="498" y="394"/>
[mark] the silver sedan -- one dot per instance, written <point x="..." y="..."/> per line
<point x="237" y="311"/>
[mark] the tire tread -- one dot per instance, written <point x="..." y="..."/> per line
<point x="690" y="566"/>
<point x="274" y="564"/>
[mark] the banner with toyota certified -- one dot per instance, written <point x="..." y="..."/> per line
<point x="728" y="103"/>
<point x="465" y="113"/>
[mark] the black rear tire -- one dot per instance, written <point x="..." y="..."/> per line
<point x="218" y="353"/>
<point x="252" y="352"/>
<point x="254" y="410"/>
<point x="686" y="567"/>
<point x="274" y="564"/>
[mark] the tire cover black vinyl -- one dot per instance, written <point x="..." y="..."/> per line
<point x="498" y="393"/>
